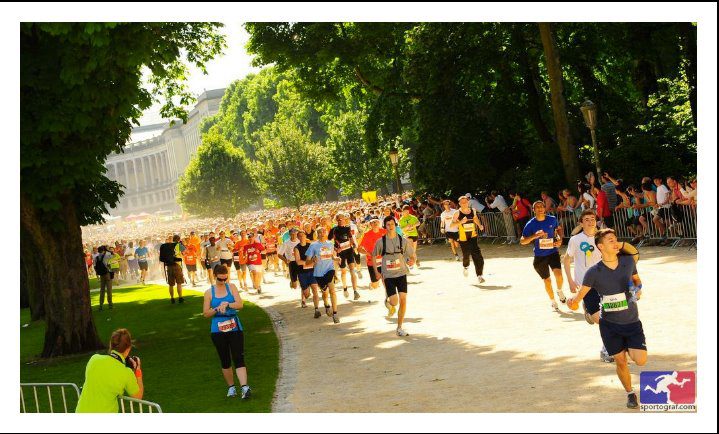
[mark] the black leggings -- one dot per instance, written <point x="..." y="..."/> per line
<point x="230" y="344"/>
<point x="471" y="248"/>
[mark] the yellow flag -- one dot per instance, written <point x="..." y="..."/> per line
<point x="369" y="196"/>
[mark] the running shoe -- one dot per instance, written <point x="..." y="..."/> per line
<point x="466" y="272"/>
<point x="246" y="392"/>
<point x="481" y="279"/>
<point x="172" y="300"/>
<point x="456" y="258"/>
<point x="232" y="392"/>
<point x="632" y="400"/>
<point x="335" y="318"/>
<point x="357" y="295"/>
<point x="328" y="311"/>
<point x="605" y="357"/>
<point x="346" y="293"/>
<point x="182" y="300"/>
<point x="259" y="290"/>
<point x="401" y="333"/>
<point x="561" y="296"/>
<point x="317" y="313"/>
<point x="304" y="305"/>
<point x="359" y="274"/>
<point x="554" y="306"/>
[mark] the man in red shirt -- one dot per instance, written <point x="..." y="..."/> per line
<point x="253" y="252"/>
<point x="603" y="210"/>
<point x="369" y="240"/>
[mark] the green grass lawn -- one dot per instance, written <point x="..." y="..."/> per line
<point x="180" y="365"/>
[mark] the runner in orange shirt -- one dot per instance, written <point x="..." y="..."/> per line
<point x="240" y="259"/>
<point x="190" y="260"/>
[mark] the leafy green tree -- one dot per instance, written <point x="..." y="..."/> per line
<point x="290" y="165"/>
<point x="355" y="167"/>
<point x="218" y="181"/>
<point x="81" y="89"/>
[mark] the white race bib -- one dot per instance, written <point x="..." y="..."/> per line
<point x="227" y="326"/>
<point x="394" y="265"/>
<point x="325" y="253"/>
<point x="468" y="227"/>
<point x="546" y="243"/>
<point x="344" y="246"/>
<point x="615" y="303"/>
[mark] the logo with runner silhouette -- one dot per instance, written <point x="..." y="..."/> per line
<point x="668" y="390"/>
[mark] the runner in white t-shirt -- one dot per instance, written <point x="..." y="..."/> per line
<point x="583" y="251"/>
<point x="451" y="233"/>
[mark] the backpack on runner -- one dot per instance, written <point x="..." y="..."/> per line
<point x="100" y="267"/>
<point x="384" y="245"/>
<point x="167" y="253"/>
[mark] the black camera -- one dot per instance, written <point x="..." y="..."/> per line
<point x="131" y="362"/>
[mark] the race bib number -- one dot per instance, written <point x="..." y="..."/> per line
<point x="615" y="303"/>
<point x="236" y="257"/>
<point x="307" y="266"/>
<point x="394" y="265"/>
<point x="227" y="326"/>
<point x="325" y="253"/>
<point x="546" y="243"/>
<point x="344" y="246"/>
<point x="378" y="260"/>
<point x="189" y="258"/>
<point x="142" y="257"/>
<point x="271" y="246"/>
<point x="468" y="227"/>
<point x="130" y="258"/>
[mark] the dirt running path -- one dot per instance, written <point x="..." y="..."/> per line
<point x="498" y="348"/>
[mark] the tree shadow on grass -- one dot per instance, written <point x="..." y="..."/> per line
<point x="180" y="364"/>
<point x="391" y="374"/>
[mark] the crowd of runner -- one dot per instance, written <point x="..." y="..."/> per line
<point x="320" y="247"/>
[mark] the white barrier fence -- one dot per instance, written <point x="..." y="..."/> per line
<point x="676" y="226"/>
<point x="36" y="403"/>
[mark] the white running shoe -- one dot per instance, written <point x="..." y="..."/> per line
<point x="561" y="296"/>
<point x="359" y="274"/>
<point x="456" y="258"/>
<point x="480" y="279"/>
<point x="466" y="272"/>
<point x="246" y="392"/>
<point x="401" y="333"/>
<point x="232" y="392"/>
<point x="555" y="307"/>
<point x="346" y="293"/>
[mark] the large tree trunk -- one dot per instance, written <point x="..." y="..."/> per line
<point x="530" y="79"/>
<point x="559" y="105"/>
<point x="689" y="41"/>
<point x="56" y="262"/>
<point x="32" y="282"/>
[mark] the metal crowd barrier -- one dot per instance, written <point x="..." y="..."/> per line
<point x="680" y="225"/>
<point x="50" y="404"/>
<point x="141" y="404"/>
<point x="127" y="404"/>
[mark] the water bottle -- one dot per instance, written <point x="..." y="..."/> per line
<point x="633" y="290"/>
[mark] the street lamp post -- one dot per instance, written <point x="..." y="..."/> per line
<point x="589" y="111"/>
<point x="394" y="158"/>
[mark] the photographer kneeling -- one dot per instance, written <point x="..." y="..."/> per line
<point x="222" y="301"/>
<point x="109" y="376"/>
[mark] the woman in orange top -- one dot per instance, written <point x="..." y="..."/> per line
<point x="189" y="257"/>
<point x="240" y="259"/>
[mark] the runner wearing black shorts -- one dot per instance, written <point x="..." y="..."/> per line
<point x="305" y="274"/>
<point x="544" y="232"/>
<point x="322" y="255"/>
<point x="617" y="282"/>
<point x="345" y="245"/>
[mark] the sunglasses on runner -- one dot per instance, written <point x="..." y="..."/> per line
<point x="219" y="279"/>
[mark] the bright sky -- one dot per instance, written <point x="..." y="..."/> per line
<point x="233" y="65"/>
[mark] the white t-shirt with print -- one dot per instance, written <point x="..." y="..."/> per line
<point x="447" y="217"/>
<point x="585" y="253"/>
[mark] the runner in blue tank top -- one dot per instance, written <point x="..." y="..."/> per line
<point x="222" y="301"/>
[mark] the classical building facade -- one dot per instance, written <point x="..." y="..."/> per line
<point x="156" y="157"/>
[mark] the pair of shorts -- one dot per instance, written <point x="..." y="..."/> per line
<point x="413" y="238"/>
<point x="132" y="263"/>
<point x="393" y="285"/>
<point x="191" y="268"/>
<point x="306" y="279"/>
<point x="214" y="264"/>
<point x="239" y="266"/>
<point x="452" y="235"/>
<point x="294" y="271"/>
<point x="372" y="276"/>
<point x="174" y="274"/>
<point x="592" y="302"/>
<point x="256" y="268"/>
<point x="620" y="337"/>
<point x="143" y="266"/>
<point x="542" y="264"/>
<point x="226" y="262"/>
<point x="346" y="257"/>
<point x="324" y="281"/>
